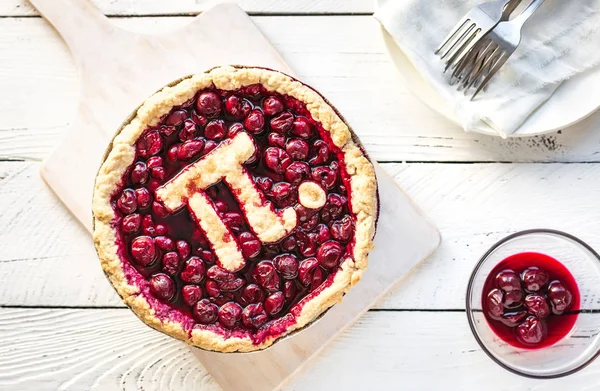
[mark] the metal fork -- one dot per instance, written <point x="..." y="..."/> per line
<point x="479" y="66"/>
<point x="472" y="27"/>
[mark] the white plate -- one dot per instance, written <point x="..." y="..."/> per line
<point x="576" y="99"/>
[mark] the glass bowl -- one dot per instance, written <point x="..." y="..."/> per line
<point x="581" y="345"/>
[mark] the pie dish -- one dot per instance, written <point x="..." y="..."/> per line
<point x="234" y="207"/>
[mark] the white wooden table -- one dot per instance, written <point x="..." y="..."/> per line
<point x="63" y="327"/>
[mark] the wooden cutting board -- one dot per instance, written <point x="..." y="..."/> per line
<point x="119" y="69"/>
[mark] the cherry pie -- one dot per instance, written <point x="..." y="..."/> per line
<point x="234" y="208"/>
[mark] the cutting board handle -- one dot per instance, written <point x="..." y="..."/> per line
<point x="79" y="22"/>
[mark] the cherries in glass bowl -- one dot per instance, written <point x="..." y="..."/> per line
<point x="530" y="300"/>
<point x="531" y="303"/>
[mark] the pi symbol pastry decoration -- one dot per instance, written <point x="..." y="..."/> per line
<point x="233" y="208"/>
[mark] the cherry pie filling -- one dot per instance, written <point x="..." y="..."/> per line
<point x="166" y="252"/>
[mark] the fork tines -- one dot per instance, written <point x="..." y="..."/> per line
<point x="464" y="33"/>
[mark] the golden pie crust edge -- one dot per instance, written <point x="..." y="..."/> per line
<point x="121" y="155"/>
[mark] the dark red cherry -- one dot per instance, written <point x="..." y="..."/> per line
<point x="154" y="161"/>
<point x="325" y="176"/>
<point x="207" y="256"/>
<point x="160" y="230"/>
<point x="276" y="140"/>
<point x="153" y="184"/>
<point x="159" y="210"/>
<point x="193" y="271"/>
<point x="282" y="191"/>
<point x="301" y="128"/>
<point x="230" y="314"/>
<point x="249" y="244"/>
<point x="306" y="243"/>
<point x="343" y="229"/>
<point x="212" y="288"/>
<point x="289" y="290"/>
<point x="289" y="243"/>
<point x="171" y="263"/>
<point x="139" y="173"/>
<point x="537" y="305"/>
<point x="189" y="131"/>
<point x="508" y="281"/>
<point x="162" y="287"/>
<point x="158" y="173"/>
<point x="306" y="270"/>
<point x="220" y="274"/>
<point x="127" y="202"/>
<point x="176" y="118"/>
<point x="237" y="107"/>
<point x="231" y="286"/>
<point x="205" y="312"/>
<point x="254" y="315"/>
<point x="311" y="223"/>
<point x="209" y="145"/>
<point x="190" y="149"/>
<point x="198" y="119"/>
<point x="277" y="160"/>
<point x="297" y="172"/>
<point x="512" y="319"/>
<point x="164" y="243"/>
<point x="304" y="214"/>
<point x="191" y="294"/>
<point x="532" y="331"/>
<point x="252" y="293"/>
<point x="265" y="184"/>
<point x="329" y="254"/>
<point x="131" y="224"/>
<point x="534" y="279"/>
<point x="286" y="265"/>
<point x="272" y="105"/>
<point x="209" y="104"/>
<point x="494" y="301"/>
<point x="144" y="198"/>
<point x="274" y="303"/>
<point x="255" y="121"/>
<point x="215" y="130"/>
<point x="172" y="153"/>
<point x="282" y="123"/>
<point x="317" y="279"/>
<point x="323" y="233"/>
<point x="148" y="227"/>
<point x="149" y="144"/>
<point x="560" y="297"/>
<point x="233" y="220"/>
<point x="334" y="207"/>
<point x="183" y="249"/>
<point x="321" y="153"/>
<point x="166" y="131"/>
<point x="513" y="299"/>
<point x="265" y="275"/>
<point x="297" y="149"/>
<point x="143" y="250"/>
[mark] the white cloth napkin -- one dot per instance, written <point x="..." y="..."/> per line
<point x="560" y="40"/>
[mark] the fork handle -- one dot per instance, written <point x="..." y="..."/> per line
<point x="509" y="9"/>
<point x="527" y="12"/>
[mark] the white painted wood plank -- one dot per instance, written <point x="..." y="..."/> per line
<point x="112" y="350"/>
<point x="46" y="258"/>
<point x="191" y="7"/>
<point x="344" y="57"/>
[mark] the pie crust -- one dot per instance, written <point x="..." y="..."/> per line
<point x="121" y="154"/>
